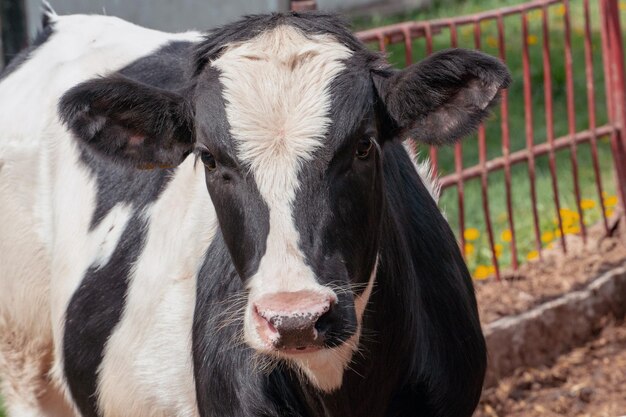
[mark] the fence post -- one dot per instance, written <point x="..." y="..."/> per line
<point x="616" y="88"/>
<point x="303" y="5"/>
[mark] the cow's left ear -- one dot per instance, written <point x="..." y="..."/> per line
<point x="443" y="97"/>
<point x="128" y="121"/>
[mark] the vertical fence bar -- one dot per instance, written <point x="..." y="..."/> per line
<point x="506" y="145"/>
<point x="428" y="33"/>
<point x="381" y="43"/>
<point x="528" y="118"/>
<point x="591" y="109"/>
<point x="484" y="181"/>
<point x="547" y="83"/>
<point x="408" y="46"/>
<point x="613" y="56"/>
<point x="571" y="116"/>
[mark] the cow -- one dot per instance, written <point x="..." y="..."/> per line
<point x="230" y="224"/>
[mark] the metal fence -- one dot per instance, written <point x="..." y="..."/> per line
<point x="608" y="20"/>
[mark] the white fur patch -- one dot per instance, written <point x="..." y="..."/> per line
<point x="108" y="232"/>
<point x="147" y="366"/>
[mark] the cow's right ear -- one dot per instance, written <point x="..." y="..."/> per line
<point x="130" y="122"/>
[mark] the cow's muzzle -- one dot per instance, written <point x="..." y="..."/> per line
<point x="294" y="322"/>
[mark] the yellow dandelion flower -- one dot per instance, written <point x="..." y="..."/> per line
<point x="609" y="212"/>
<point x="469" y="249"/>
<point x="471" y="234"/>
<point x="610" y="201"/>
<point x="572" y="230"/>
<point x="482" y="272"/>
<point x="622" y="6"/>
<point x="532" y="39"/>
<point x="568" y="217"/>
<point x="547" y="237"/>
<point x="568" y="221"/>
<point x="492" y="41"/>
<point x="532" y="255"/>
<point x="506" y="235"/>
<point x="557" y="233"/>
<point x="567" y="213"/>
<point x="587" y="204"/>
<point x="560" y="10"/>
<point x="550" y="245"/>
<point x="498" y="249"/>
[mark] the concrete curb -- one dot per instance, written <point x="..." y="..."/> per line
<point x="540" y="335"/>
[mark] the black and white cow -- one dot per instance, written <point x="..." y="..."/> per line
<point x="316" y="277"/>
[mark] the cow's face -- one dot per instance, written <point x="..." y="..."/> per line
<point x="289" y="120"/>
<point x="292" y="166"/>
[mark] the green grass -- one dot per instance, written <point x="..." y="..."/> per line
<point x="479" y="260"/>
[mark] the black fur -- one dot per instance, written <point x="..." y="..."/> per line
<point x="93" y="311"/>
<point x="422" y="351"/>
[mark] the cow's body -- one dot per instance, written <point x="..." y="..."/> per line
<point x="47" y="186"/>
<point x="118" y="295"/>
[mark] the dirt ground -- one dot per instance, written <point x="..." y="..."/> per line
<point x="590" y="381"/>
<point x="556" y="274"/>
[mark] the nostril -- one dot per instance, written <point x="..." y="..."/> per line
<point x="325" y="321"/>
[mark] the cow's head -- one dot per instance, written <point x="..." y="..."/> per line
<point x="290" y="115"/>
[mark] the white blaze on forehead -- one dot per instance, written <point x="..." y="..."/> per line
<point x="277" y="92"/>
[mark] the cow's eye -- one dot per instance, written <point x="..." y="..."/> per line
<point x="363" y="148"/>
<point x="208" y="160"/>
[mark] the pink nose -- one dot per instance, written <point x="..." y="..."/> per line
<point x="287" y="320"/>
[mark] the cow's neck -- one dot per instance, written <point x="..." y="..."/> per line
<point x="425" y="351"/>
